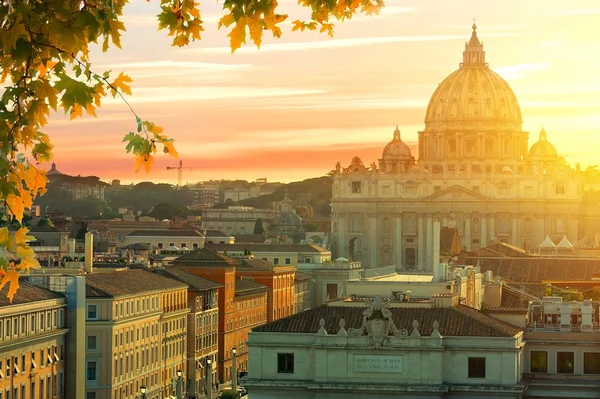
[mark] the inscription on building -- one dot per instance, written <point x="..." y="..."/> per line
<point x="377" y="364"/>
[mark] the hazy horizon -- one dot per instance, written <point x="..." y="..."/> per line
<point x="292" y="109"/>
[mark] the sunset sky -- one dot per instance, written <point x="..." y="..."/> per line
<point x="292" y="109"/>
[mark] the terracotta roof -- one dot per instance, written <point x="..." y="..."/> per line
<point x="514" y="298"/>
<point x="44" y="229"/>
<point x="458" y="321"/>
<point x="246" y="286"/>
<point x="205" y="256"/>
<point x="165" y="233"/>
<point x="250" y="238"/>
<point x="538" y="268"/>
<point x="537" y="290"/>
<point x="127" y="282"/>
<point x="503" y="249"/>
<point x="259" y="264"/>
<point x="27" y="293"/>
<point x="240" y="247"/>
<point x="301" y="276"/>
<point x="196" y="283"/>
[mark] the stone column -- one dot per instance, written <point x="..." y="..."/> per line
<point x="429" y="244"/>
<point x="573" y="233"/>
<point x="468" y="240"/>
<point x="421" y="241"/>
<point x="514" y="235"/>
<point x="541" y="229"/>
<point x="492" y="226"/>
<point x="445" y="220"/>
<point x="373" y="233"/>
<point x="398" y="241"/>
<point x="483" y="228"/>
<point x="342" y="228"/>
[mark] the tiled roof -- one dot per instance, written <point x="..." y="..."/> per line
<point x="205" y="256"/>
<point x="301" y="276"/>
<point x="538" y="268"/>
<point x="246" y="286"/>
<point x="27" y="293"/>
<point x="240" y="247"/>
<point x="250" y="238"/>
<point x="537" y="290"/>
<point x="195" y="282"/>
<point x="216" y="233"/>
<point x="514" y="298"/>
<point x="259" y="264"/>
<point x="504" y="249"/>
<point x="165" y="233"/>
<point x="458" y="321"/>
<point x="127" y="282"/>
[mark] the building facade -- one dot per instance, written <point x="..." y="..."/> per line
<point x="33" y="336"/>
<point x="475" y="171"/>
<point x="136" y="325"/>
<point x="386" y="349"/>
<point x="203" y="327"/>
<point x="242" y="304"/>
<point x="236" y="219"/>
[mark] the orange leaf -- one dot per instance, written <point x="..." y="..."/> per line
<point x="148" y="162"/>
<point x="76" y="111"/>
<point x="15" y="206"/>
<point x="170" y="149"/>
<point x="238" y="34"/>
<point x="226" y="20"/>
<point x="22" y="237"/>
<point x="298" y="25"/>
<point x="121" y="83"/>
<point x="139" y="161"/>
<point x="11" y="277"/>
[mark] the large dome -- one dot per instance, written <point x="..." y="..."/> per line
<point x="474" y="93"/>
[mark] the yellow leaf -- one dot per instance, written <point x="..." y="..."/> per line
<point x="121" y="83"/>
<point x="139" y="161"/>
<point x="237" y="35"/>
<point x="89" y="108"/>
<point x="298" y="25"/>
<point x="4" y="237"/>
<point x="170" y="149"/>
<point x="15" y="206"/>
<point x="22" y="237"/>
<point x="256" y="29"/>
<point x="11" y="277"/>
<point x="76" y="111"/>
<point x="226" y="20"/>
<point x="148" y="162"/>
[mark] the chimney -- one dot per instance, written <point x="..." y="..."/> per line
<point x="89" y="251"/>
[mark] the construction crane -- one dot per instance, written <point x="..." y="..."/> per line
<point x="179" y="171"/>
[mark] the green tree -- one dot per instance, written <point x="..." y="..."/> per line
<point x="258" y="227"/>
<point x="45" y="65"/>
<point x="229" y="394"/>
<point x="44" y="222"/>
<point x="80" y="235"/>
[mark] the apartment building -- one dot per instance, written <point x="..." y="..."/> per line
<point x="203" y="327"/>
<point x="242" y="303"/>
<point x="32" y="343"/>
<point x="135" y="334"/>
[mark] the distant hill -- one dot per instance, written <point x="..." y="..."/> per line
<point x="315" y="192"/>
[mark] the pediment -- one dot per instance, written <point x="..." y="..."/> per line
<point x="456" y="193"/>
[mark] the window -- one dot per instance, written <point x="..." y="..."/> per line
<point x="565" y="362"/>
<point x="91" y="371"/>
<point x="92" y="312"/>
<point x="591" y="363"/>
<point x="470" y="145"/>
<point x="276" y="261"/>
<point x="285" y="362"/>
<point x="91" y="342"/>
<point x="560" y="188"/>
<point x="91" y="395"/>
<point x="437" y="189"/>
<point x="356" y="187"/>
<point x="539" y="362"/>
<point x="288" y="261"/>
<point x="386" y="189"/>
<point x="477" y="367"/>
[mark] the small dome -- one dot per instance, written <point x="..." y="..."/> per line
<point x="287" y="219"/>
<point x="543" y="148"/>
<point x="396" y="149"/>
<point x="342" y="260"/>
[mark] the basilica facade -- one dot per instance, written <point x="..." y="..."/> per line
<point x="474" y="171"/>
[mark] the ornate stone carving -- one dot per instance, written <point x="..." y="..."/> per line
<point x="377" y="324"/>
<point x="342" y="330"/>
<point x="322" y="327"/>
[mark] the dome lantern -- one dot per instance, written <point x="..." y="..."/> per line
<point x="473" y="54"/>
